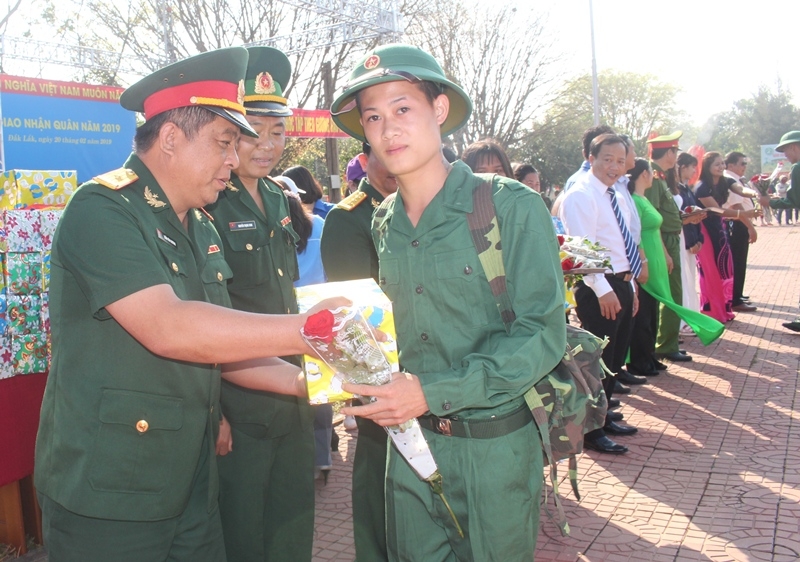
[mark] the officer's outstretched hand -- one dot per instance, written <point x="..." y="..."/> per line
<point x="393" y="403"/>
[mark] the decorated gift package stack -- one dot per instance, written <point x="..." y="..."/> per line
<point x="31" y="203"/>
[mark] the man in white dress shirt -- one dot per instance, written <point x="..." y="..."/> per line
<point x="604" y="301"/>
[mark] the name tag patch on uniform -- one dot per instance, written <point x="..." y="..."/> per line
<point x="165" y="238"/>
<point x="285" y="221"/>
<point x="213" y="249"/>
<point x="242" y="225"/>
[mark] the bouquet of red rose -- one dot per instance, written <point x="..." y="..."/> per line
<point x="348" y="344"/>
<point x="580" y="256"/>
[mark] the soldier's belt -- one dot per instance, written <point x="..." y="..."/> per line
<point x="478" y="429"/>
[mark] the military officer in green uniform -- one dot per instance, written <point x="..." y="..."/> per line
<point x="348" y="252"/>
<point x="125" y="464"/>
<point x="790" y="146"/>
<point x="461" y="370"/>
<point x="663" y="157"/>
<point x="267" y="480"/>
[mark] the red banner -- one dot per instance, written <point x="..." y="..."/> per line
<point x="315" y="123"/>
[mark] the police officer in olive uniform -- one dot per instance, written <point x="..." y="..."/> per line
<point x="125" y="464"/>
<point x="466" y="376"/>
<point x="349" y="253"/>
<point x="664" y="154"/>
<point x="267" y="480"/>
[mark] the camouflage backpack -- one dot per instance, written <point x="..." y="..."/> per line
<point x="569" y="401"/>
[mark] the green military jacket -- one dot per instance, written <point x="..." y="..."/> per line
<point x="122" y="430"/>
<point x="449" y="330"/>
<point x="347" y="248"/>
<point x="659" y="195"/>
<point x="261" y="250"/>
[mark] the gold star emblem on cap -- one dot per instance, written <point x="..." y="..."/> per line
<point x="372" y="61"/>
<point x="264" y="83"/>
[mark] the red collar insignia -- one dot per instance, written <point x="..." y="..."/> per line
<point x="213" y="249"/>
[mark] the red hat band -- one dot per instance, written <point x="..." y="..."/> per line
<point x="664" y="144"/>
<point x="211" y="92"/>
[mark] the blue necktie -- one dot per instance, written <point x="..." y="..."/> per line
<point x="630" y="246"/>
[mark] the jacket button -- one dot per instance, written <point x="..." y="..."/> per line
<point x="424" y="336"/>
<point x="271" y="233"/>
<point x="175" y="267"/>
<point x="468" y="270"/>
<point x="249" y="247"/>
<point x="419" y="289"/>
<point x="446" y="406"/>
<point x="219" y="276"/>
<point x="142" y="426"/>
<point x="280" y="272"/>
<point x="414" y="243"/>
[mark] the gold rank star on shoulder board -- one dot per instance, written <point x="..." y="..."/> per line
<point x="352" y="201"/>
<point x="117" y="179"/>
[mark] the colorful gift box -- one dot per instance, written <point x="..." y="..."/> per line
<point x="3" y="313"/>
<point x="23" y="273"/>
<point x="24" y="188"/>
<point x="6" y="365"/>
<point x="46" y="270"/>
<point x="24" y="314"/>
<point x="49" y="220"/>
<point x="323" y="384"/>
<point x="3" y="236"/>
<point x="29" y="354"/>
<point x="23" y="230"/>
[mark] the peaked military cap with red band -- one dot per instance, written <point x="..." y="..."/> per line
<point x="213" y="80"/>
<point x="665" y="141"/>
<point x="268" y="72"/>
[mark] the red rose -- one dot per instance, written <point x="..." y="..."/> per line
<point x="561" y="240"/>
<point x="320" y="326"/>
<point x="567" y="264"/>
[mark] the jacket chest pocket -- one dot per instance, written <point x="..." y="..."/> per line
<point x="178" y="268"/>
<point x="215" y="275"/>
<point x="464" y="288"/>
<point x="250" y="254"/>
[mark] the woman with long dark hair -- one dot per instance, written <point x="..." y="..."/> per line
<point x="714" y="261"/>
<point x="656" y="289"/>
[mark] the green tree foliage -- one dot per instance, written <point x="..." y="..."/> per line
<point x="760" y="119"/>
<point x="631" y="103"/>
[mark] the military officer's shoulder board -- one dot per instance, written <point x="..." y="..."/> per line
<point x="117" y="179"/>
<point x="352" y="201"/>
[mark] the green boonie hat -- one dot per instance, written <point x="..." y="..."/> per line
<point x="789" y="138"/>
<point x="389" y="63"/>
<point x="268" y="72"/>
<point x="213" y="80"/>
<point x="665" y="141"/>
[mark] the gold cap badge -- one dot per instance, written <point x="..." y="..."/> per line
<point x="372" y="62"/>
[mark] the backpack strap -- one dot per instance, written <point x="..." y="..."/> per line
<point x="485" y="230"/>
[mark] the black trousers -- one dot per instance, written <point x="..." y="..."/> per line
<point x="740" y="246"/>
<point x="645" y="329"/>
<point x="618" y="330"/>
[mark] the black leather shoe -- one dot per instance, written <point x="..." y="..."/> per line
<point x="627" y="378"/>
<point x="604" y="445"/>
<point x="615" y="428"/>
<point x="613" y="403"/>
<point x="659" y="365"/>
<point x="620" y="388"/>
<point x="745" y="297"/>
<point x="637" y="371"/>
<point x="614" y="416"/>
<point x="744" y="307"/>
<point x="793" y="326"/>
<point x="676" y="356"/>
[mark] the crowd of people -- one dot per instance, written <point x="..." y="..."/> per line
<point x="175" y="422"/>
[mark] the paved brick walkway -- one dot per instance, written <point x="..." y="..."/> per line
<point x="714" y="472"/>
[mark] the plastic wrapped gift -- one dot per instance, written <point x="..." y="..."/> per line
<point x="374" y="307"/>
<point x="25" y="188"/>
<point x="24" y="273"/>
<point x="23" y="230"/>
<point x="6" y="365"/>
<point x="24" y="314"/>
<point x="3" y="235"/>
<point x="49" y="221"/>
<point x="45" y="314"/>
<point x="29" y="354"/>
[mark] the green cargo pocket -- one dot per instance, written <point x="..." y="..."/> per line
<point x="138" y="435"/>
